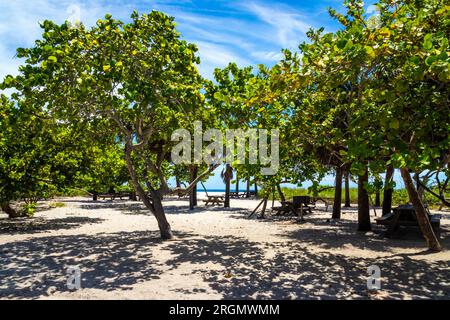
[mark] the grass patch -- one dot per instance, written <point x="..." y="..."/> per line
<point x="57" y="205"/>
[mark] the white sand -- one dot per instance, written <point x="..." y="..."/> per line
<point x="217" y="254"/>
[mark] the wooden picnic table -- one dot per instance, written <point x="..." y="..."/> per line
<point x="298" y="207"/>
<point x="113" y="195"/>
<point x="214" y="200"/>
<point x="406" y="216"/>
<point x="237" y="195"/>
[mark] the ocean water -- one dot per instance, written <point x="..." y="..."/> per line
<point x="201" y="190"/>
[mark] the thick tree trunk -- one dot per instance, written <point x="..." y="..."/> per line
<point x="363" y="204"/>
<point x="154" y="204"/>
<point x="422" y="216"/>
<point x="337" y="194"/>
<point x="247" y="195"/>
<point x="191" y="201"/>
<point x="280" y="192"/>
<point x="158" y="211"/>
<point x="347" y="191"/>
<point x="94" y="196"/>
<point x="387" y="192"/>
<point x="12" y="214"/>
<point x="227" y="185"/>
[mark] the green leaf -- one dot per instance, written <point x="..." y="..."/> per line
<point x="430" y="60"/>
<point x="428" y="42"/>
<point x="394" y="124"/>
<point x="106" y="68"/>
<point x="370" y="52"/>
<point x="53" y="59"/>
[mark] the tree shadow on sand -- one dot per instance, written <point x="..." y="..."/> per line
<point x="39" y="225"/>
<point x="293" y="271"/>
<point x="107" y="262"/>
<point x="240" y="268"/>
<point x="140" y="209"/>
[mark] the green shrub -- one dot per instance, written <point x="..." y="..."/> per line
<point x="28" y="210"/>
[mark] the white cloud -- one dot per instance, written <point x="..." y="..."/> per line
<point x="217" y="56"/>
<point x="267" y="55"/>
<point x="290" y="26"/>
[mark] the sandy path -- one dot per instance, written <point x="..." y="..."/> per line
<point x="217" y="254"/>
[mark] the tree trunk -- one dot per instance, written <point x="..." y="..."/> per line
<point x="154" y="204"/>
<point x="191" y="201"/>
<point x="247" y="195"/>
<point x="347" y="191"/>
<point x="227" y="185"/>
<point x="163" y="224"/>
<point x="337" y="194"/>
<point x="12" y="214"/>
<point x="363" y="204"/>
<point x="94" y="196"/>
<point x="195" y="187"/>
<point x="420" y="189"/>
<point x="387" y="192"/>
<point x="280" y="192"/>
<point x="237" y="183"/>
<point x="422" y="216"/>
<point x="193" y="193"/>
<point x="377" y="199"/>
<point x="263" y="210"/>
<point x="256" y="190"/>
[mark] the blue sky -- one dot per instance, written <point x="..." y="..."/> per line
<point x="245" y="32"/>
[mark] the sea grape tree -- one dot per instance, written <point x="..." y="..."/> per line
<point x="140" y="77"/>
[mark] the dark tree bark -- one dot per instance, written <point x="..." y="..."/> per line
<point x="193" y="193"/>
<point x="228" y="171"/>
<point x="12" y="214"/>
<point x="94" y="196"/>
<point x="377" y="199"/>
<point x="363" y="204"/>
<point x="256" y="190"/>
<point x="237" y="182"/>
<point x="247" y="195"/>
<point x="420" y="189"/>
<point x="387" y="192"/>
<point x="280" y="192"/>
<point x="263" y="210"/>
<point x="337" y="194"/>
<point x="422" y="216"/>
<point x="191" y="201"/>
<point x="154" y="204"/>
<point x="347" y="191"/>
<point x="160" y="215"/>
